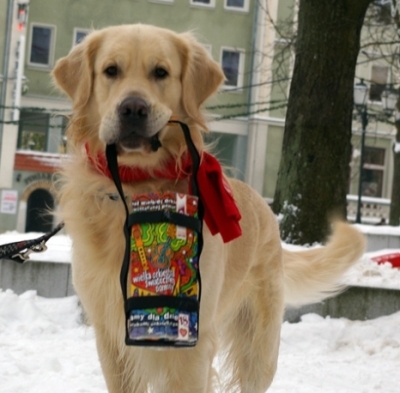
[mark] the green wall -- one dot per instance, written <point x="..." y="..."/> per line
<point x="283" y="57"/>
<point x="3" y="17"/>
<point x="273" y="158"/>
<point x="215" y="26"/>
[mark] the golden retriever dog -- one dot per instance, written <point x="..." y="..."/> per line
<point x="153" y="74"/>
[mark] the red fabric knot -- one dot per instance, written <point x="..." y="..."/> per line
<point x="221" y="213"/>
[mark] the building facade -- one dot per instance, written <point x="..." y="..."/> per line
<point x="246" y="116"/>
<point x="377" y="67"/>
<point x="50" y="30"/>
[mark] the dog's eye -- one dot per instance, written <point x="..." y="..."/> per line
<point x="160" y="73"/>
<point x="111" y="71"/>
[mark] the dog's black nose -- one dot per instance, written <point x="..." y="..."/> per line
<point x="133" y="109"/>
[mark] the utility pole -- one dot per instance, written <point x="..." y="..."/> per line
<point x="257" y="135"/>
<point x="10" y="97"/>
<point x="7" y="35"/>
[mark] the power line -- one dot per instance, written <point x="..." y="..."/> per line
<point x="36" y="109"/>
<point x="272" y="105"/>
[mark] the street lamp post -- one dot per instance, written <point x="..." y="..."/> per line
<point x="360" y="102"/>
<point x="364" y="123"/>
<point x="389" y="99"/>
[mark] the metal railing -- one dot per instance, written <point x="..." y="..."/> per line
<point x="373" y="210"/>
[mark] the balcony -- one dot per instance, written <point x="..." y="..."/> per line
<point x="373" y="210"/>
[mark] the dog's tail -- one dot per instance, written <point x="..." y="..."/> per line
<point x="313" y="275"/>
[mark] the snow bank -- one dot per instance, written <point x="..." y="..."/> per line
<point x="379" y="229"/>
<point x="44" y="346"/>
<point x="339" y="356"/>
<point x="368" y="273"/>
<point x="45" y="349"/>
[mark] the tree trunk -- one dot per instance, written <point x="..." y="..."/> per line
<point x="314" y="170"/>
<point x="394" y="218"/>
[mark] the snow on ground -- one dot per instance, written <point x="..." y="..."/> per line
<point x="324" y="355"/>
<point x="45" y="349"/>
<point x="379" y="229"/>
<point x="368" y="273"/>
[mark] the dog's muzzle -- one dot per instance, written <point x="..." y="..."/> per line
<point x="133" y="110"/>
<point x="134" y="115"/>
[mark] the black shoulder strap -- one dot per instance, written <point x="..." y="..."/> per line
<point x="196" y="159"/>
<point x="112" y="162"/>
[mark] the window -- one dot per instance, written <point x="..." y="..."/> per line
<point x="373" y="171"/>
<point x="381" y="11"/>
<point x="237" y="5"/>
<point x="230" y="149"/>
<point x="33" y="131"/>
<point x="203" y="3"/>
<point x="57" y="140"/>
<point x="232" y="63"/>
<point x="41" y="45"/>
<point x="42" y="132"/>
<point x="379" y="78"/>
<point x="79" y="35"/>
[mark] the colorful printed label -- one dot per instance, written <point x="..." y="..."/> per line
<point x="164" y="261"/>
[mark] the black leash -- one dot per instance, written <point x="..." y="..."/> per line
<point x="19" y="251"/>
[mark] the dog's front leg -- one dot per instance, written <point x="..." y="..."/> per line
<point x="111" y="363"/>
<point x="179" y="370"/>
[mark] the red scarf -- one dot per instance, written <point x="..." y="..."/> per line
<point x="220" y="211"/>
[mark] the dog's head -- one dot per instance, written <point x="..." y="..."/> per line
<point x="126" y="82"/>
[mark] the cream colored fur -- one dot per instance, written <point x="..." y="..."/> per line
<point x="246" y="282"/>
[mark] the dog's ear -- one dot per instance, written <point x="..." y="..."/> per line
<point x="74" y="72"/>
<point x="201" y="77"/>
